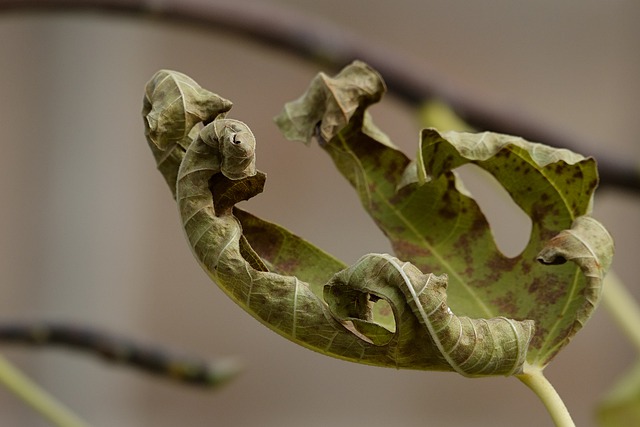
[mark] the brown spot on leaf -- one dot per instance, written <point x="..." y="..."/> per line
<point x="534" y="286"/>
<point x="499" y="262"/>
<point x="447" y="212"/>
<point x="407" y="250"/>
<point x="498" y="266"/>
<point x="507" y="304"/>
<point x="548" y="289"/>
<point x="559" y="167"/>
<point x="539" y="336"/>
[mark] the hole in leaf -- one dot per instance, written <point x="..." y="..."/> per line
<point x="510" y="225"/>
<point x="382" y="313"/>
<point x="366" y="315"/>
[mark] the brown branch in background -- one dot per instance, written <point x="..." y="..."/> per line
<point x="334" y="47"/>
<point x="118" y="350"/>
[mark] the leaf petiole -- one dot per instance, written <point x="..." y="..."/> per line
<point x="533" y="377"/>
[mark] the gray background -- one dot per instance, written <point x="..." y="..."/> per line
<point x="89" y="233"/>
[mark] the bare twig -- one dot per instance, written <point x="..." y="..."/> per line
<point x="118" y="350"/>
<point x="334" y="47"/>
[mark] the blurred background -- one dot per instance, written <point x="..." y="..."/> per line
<point x="89" y="232"/>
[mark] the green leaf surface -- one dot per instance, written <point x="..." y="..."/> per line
<point x="432" y="222"/>
<point x="288" y="254"/>
<point x="380" y="311"/>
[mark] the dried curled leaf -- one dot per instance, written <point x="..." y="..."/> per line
<point x="588" y="244"/>
<point x="173" y="105"/>
<point x="432" y="222"/>
<point x="265" y="269"/>
<point x="471" y="347"/>
<point x="335" y="102"/>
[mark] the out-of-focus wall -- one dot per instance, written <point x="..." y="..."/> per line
<point x="89" y="233"/>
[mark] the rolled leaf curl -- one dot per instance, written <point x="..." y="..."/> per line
<point x="175" y="105"/>
<point x="220" y="156"/>
<point x="432" y="221"/>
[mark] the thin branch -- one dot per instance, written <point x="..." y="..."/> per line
<point x="623" y="307"/>
<point x="41" y="401"/>
<point x="118" y="350"/>
<point x="334" y="47"/>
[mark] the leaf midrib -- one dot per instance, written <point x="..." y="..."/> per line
<point x="359" y="170"/>
<point x="424" y="242"/>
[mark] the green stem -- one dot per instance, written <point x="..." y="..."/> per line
<point x="623" y="307"/>
<point x="37" y="398"/>
<point x="538" y="383"/>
